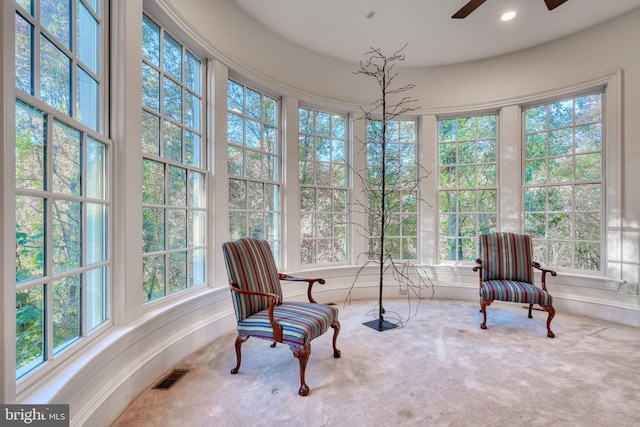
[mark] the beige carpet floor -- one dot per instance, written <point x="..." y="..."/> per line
<point x="440" y="369"/>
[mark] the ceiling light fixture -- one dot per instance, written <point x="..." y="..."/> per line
<point x="508" y="16"/>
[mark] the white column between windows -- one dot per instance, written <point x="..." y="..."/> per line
<point x="358" y="160"/>
<point x="510" y="170"/>
<point x="126" y="131"/>
<point x="290" y="193"/>
<point x="428" y="225"/>
<point x="217" y="86"/>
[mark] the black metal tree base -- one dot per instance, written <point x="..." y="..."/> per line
<point x="380" y="325"/>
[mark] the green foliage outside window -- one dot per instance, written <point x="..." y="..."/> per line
<point x="468" y="189"/>
<point x="564" y="182"/>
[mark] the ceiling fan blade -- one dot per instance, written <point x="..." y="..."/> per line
<point x="552" y="4"/>
<point x="468" y="8"/>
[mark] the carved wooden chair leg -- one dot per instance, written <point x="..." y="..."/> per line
<point x="530" y="307"/>
<point x="552" y="312"/>
<point x="483" y="309"/>
<point x="241" y="339"/>
<point x="273" y="344"/>
<point x="336" y="331"/>
<point x="302" y="354"/>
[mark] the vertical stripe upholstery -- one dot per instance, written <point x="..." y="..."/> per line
<point x="507" y="269"/>
<point x="506" y="256"/>
<point x="251" y="267"/>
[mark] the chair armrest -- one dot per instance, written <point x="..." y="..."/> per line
<point x="478" y="268"/>
<point x="274" y="300"/>
<point x="544" y="271"/>
<point x="310" y="283"/>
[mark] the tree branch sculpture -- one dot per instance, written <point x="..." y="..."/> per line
<point x="391" y="180"/>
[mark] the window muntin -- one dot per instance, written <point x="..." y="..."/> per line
<point x="173" y="166"/>
<point x="324" y="192"/>
<point x="398" y="160"/>
<point x="62" y="200"/>
<point x="564" y="182"/>
<point x="468" y="195"/>
<point x="253" y="165"/>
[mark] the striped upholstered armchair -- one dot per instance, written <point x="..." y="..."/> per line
<point x="506" y="268"/>
<point x="257" y="298"/>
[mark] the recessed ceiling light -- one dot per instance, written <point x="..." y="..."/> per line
<point x="508" y="16"/>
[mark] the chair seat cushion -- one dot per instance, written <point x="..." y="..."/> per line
<point x="301" y="322"/>
<point x="511" y="290"/>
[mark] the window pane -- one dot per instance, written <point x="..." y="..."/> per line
<point x="29" y="329"/>
<point x="197" y="271"/>
<point x="192" y="111"/>
<point x="150" y="133"/>
<point x="177" y="186"/>
<point x="193" y="74"/>
<point x="96" y="169"/>
<point x="152" y="230"/>
<point x="153" y="278"/>
<point x="235" y="97"/>
<point x="96" y="233"/>
<point x="177" y="272"/>
<point x="153" y="182"/>
<point x="30" y="147"/>
<point x="97" y="297"/>
<point x="24" y="55"/>
<point x="66" y="309"/>
<point x="55" y="77"/>
<point x="196" y="189"/>
<point x="30" y="215"/>
<point x="196" y="228"/>
<point x="172" y="57"/>
<point x="87" y="101"/>
<point x="66" y="159"/>
<point x="172" y="141"/>
<point x="172" y="100"/>
<point x="66" y="235"/>
<point x="193" y="149"/>
<point x="150" y="87"/>
<point x="150" y="41"/>
<point x="177" y="228"/>
<point x="88" y="39"/>
<point x="55" y="16"/>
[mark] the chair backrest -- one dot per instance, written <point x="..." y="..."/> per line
<point x="250" y="266"/>
<point x="506" y="256"/>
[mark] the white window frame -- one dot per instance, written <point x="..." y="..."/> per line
<point x="191" y="169"/>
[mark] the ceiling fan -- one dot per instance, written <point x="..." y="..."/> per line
<point x="474" y="4"/>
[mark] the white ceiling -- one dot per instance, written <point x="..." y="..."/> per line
<point x="342" y="28"/>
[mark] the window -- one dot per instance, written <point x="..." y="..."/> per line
<point x="61" y="175"/>
<point x="324" y="191"/>
<point x="253" y="165"/>
<point x="468" y="195"/>
<point x="392" y="207"/>
<point x="173" y="166"/>
<point x="563" y="200"/>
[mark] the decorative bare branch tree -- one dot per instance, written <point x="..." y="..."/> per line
<point x="391" y="182"/>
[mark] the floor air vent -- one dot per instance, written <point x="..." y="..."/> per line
<point x="170" y="380"/>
